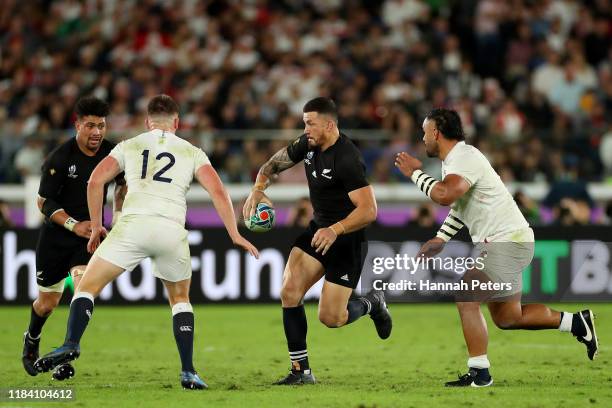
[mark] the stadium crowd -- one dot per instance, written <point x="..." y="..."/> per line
<point x="532" y="80"/>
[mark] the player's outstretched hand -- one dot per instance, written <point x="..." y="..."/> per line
<point x="245" y="244"/>
<point x="83" y="229"/>
<point x="323" y="240"/>
<point x="250" y="205"/>
<point x="432" y="247"/>
<point x="97" y="233"/>
<point x="407" y="164"/>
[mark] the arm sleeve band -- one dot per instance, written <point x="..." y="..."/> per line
<point x="452" y="225"/>
<point x="424" y="182"/>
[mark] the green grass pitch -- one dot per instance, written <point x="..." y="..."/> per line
<point x="129" y="358"/>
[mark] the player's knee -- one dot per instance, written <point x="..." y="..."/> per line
<point x="330" y="319"/>
<point x="45" y="305"/>
<point x="504" y="322"/>
<point x="290" y="294"/>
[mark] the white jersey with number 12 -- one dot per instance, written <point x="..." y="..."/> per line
<point x="159" y="168"/>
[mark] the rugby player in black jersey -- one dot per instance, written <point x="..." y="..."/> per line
<point x="62" y="198"/>
<point x="334" y="244"/>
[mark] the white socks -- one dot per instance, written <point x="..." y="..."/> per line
<point x="85" y="295"/>
<point x="566" y="322"/>
<point x="479" y="362"/>
<point x="181" y="307"/>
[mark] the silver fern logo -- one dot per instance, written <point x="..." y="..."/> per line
<point x="72" y="171"/>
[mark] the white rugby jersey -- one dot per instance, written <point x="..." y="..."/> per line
<point x="159" y="168"/>
<point x="487" y="209"/>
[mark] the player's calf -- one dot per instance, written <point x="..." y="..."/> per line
<point x="41" y="309"/>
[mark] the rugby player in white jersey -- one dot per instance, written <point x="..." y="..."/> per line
<point x="480" y="201"/>
<point x="159" y="168"/>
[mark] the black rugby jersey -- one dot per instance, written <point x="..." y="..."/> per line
<point x="331" y="174"/>
<point x="65" y="174"/>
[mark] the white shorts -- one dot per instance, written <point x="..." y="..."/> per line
<point x="506" y="258"/>
<point x="136" y="237"/>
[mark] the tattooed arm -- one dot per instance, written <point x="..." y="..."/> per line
<point x="279" y="162"/>
<point x="270" y="170"/>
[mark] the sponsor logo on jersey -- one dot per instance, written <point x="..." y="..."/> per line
<point x="52" y="171"/>
<point x="185" y="328"/>
<point x="309" y="155"/>
<point x="345" y="277"/>
<point x="72" y="171"/>
<point x="325" y="173"/>
<point x="314" y="173"/>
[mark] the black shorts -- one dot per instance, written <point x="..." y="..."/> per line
<point x="57" y="251"/>
<point x="343" y="261"/>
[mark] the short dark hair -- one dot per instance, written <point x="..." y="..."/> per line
<point x="448" y="123"/>
<point x="91" y="106"/>
<point x="322" y="105"/>
<point x="162" y="105"/>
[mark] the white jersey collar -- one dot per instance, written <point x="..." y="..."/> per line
<point x="454" y="149"/>
<point x="159" y="132"/>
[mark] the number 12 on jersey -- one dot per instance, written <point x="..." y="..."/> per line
<point x="157" y="176"/>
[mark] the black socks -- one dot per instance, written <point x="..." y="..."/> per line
<point x="36" y="324"/>
<point x="296" y="327"/>
<point x="183" y="326"/>
<point x="357" y="308"/>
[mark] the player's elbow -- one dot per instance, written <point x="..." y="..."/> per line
<point x="445" y="201"/>
<point x="444" y="197"/>
<point x="369" y="213"/>
<point x="94" y="184"/>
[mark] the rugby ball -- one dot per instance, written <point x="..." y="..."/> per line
<point x="262" y="220"/>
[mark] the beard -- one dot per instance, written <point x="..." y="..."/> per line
<point x="434" y="151"/>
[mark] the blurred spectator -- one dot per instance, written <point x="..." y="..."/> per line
<point x="300" y="214"/>
<point x="529" y="208"/>
<point x="565" y="94"/>
<point x="424" y="217"/>
<point x="570" y="212"/>
<point x="5" y="215"/>
<point x="607" y="216"/>
<point x="509" y="121"/>
<point x="576" y="191"/>
<point x="605" y="152"/>
<point x="29" y="158"/>
<point x="548" y="74"/>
